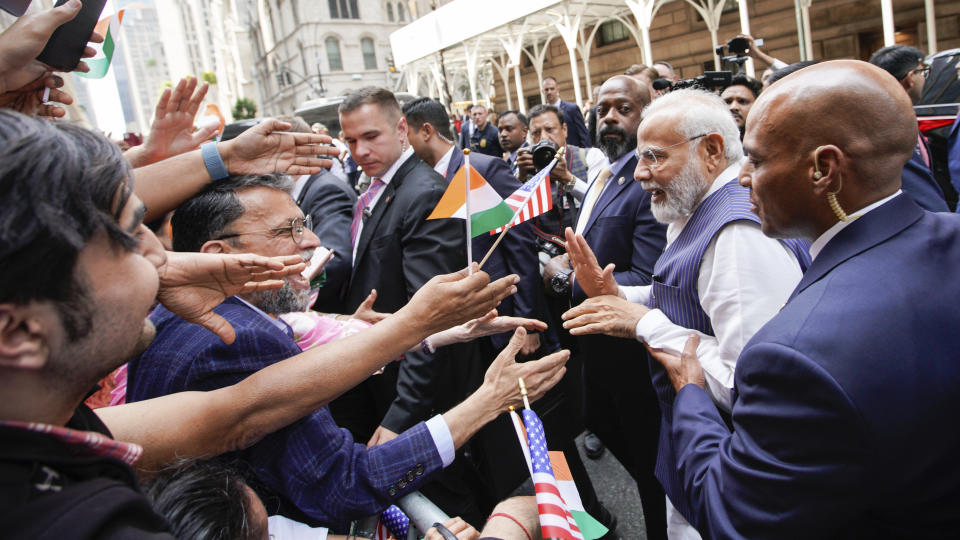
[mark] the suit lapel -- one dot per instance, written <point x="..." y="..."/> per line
<point x="861" y="235"/>
<point x="456" y="161"/>
<point x="611" y="192"/>
<point x="372" y="222"/>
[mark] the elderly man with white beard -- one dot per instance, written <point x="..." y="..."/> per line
<point x="719" y="276"/>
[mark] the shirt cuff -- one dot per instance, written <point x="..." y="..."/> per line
<point x="648" y="324"/>
<point x="638" y="294"/>
<point x="579" y="189"/>
<point x="442" y="439"/>
<point x="778" y="64"/>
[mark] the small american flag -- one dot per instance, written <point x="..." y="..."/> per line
<point x="556" y="521"/>
<point x="393" y="524"/>
<point x="532" y="199"/>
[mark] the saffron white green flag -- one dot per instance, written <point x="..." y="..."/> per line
<point x="109" y="28"/>
<point x="487" y="209"/>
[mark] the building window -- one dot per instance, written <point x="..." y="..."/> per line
<point x="389" y="12"/>
<point x="369" y="53"/>
<point x="612" y="32"/>
<point x="343" y="9"/>
<point x="333" y="54"/>
<point x="401" y="13"/>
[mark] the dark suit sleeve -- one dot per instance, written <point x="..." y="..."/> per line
<point x="576" y="130"/>
<point x="430" y="248"/>
<point x="918" y="183"/>
<point x="331" y="208"/>
<point x="794" y="466"/>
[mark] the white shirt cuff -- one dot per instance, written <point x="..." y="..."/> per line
<point x="648" y="324"/>
<point x="779" y="64"/>
<point x="442" y="439"/>
<point x="579" y="189"/>
<point x="638" y="294"/>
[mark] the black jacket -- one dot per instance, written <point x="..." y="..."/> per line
<point x="48" y="491"/>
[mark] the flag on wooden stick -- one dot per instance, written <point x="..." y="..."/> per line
<point x="530" y="200"/>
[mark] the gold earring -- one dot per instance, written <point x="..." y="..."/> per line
<point x="831" y="195"/>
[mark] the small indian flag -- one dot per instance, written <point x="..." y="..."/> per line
<point x="109" y="28"/>
<point x="487" y="209"/>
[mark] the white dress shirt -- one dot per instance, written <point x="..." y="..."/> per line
<point x="437" y="426"/>
<point x="299" y="185"/>
<point x="744" y="280"/>
<point x="444" y="163"/>
<point x="387" y="176"/>
<point x="616" y="169"/>
<point x="596" y="160"/>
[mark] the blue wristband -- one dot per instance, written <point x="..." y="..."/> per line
<point x="214" y="163"/>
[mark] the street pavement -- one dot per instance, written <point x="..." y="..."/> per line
<point x="617" y="491"/>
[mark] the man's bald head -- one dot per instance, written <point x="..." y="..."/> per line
<point x="847" y="120"/>
<point x="858" y="107"/>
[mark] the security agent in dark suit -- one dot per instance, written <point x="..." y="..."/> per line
<point x="395" y="251"/>
<point x="430" y="136"/>
<point x="484" y="137"/>
<point x="839" y="399"/>
<point x="512" y="130"/>
<point x="615" y="219"/>
<point x="577" y="130"/>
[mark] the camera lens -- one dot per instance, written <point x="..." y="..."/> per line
<point x="543" y="153"/>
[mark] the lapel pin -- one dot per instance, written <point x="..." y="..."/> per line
<point x="620" y="181"/>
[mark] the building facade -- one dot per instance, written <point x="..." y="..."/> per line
<point x="310" y="49"/>
<point x="679" y="35"/>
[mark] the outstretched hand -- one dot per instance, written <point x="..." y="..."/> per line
<point x="266" y="148"/>
<point x="594" y="281"/>
<point x="172" y="131"/>
<point x="365" y="311"/>
<point x="609" y="315"/>
<point x="538" y="375"/>
<point x="487" y="325"/>
<point x="192" y="284"/>
<point x="451" y="299"/>
<point x="685" y="369"/>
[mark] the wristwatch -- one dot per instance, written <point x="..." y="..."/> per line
<point x="560" y="283"/>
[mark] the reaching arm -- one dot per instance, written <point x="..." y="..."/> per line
<point x="262" y="149"/>
<point x="235" y="417"/>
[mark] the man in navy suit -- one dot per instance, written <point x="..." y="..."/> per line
<point x="512" y="127"/>
<point x="576" y="130"/>
<point x="312" y="469"/>
<point x="839" y="399"/>
<point x="615" y="220"/>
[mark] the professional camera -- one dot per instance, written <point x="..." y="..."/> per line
<point x="543" y="153"/>
<point x="739" y="50"/>
<point x="710" y="80"/>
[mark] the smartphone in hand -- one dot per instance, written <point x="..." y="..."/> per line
<point x="66" y="45"/>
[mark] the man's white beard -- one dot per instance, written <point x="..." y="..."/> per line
<point x="683" y="194"/>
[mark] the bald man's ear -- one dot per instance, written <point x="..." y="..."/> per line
<point x="825" y="169"/>
<point x="24" y="334"/>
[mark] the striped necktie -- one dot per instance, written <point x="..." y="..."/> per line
<point x="362" y="204"/>
<point x="591" y="199"/>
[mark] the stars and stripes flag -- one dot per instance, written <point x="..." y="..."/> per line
<point x="532" y="199"/>
<point x="556" y="521"/>
<point x="393" y="524"/>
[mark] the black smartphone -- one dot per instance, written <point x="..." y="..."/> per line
<point x="15" y="7"/>
<point x="66" y="45"/>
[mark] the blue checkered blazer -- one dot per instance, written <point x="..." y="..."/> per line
<point x="312" y="463"/>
